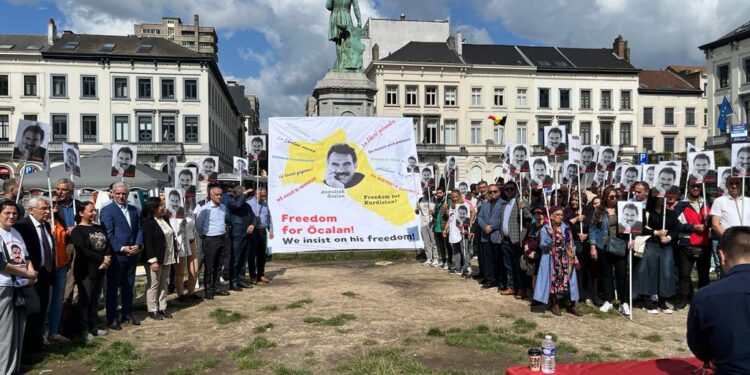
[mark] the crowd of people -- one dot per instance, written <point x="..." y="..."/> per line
<point x="568" y="248"/>
<point x="61" y="256"/>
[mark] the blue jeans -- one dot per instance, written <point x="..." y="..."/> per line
<point x="58" y="293"/>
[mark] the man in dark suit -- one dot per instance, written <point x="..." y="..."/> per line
<point x="241" y="218"/>
<point x="36" y="233"/>
<point x="30" y="148"/>
<point x="124" y="163"/>
<point x="489" y="223"/>
<point x="121" y="222"/>
<point x="511" y="247"/>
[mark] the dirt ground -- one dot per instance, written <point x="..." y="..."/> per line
<point x="394" y="301"/>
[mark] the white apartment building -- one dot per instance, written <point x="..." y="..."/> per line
<point x="450" y="88"/>
<point x="96" y="90"/>
<point x="728" y="62"/>
<point x="197" y="38"/>
<point x="671" y="112"/>
<point x="389" y="34"/>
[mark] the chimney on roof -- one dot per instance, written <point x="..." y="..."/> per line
<point x="402" y="17"/>
<point x="51" y="31"/>
<point x="197" y="22"/>
<point x="375" y="52"/>
<point x="620" y="48"/>
<point x="459" y="43"/>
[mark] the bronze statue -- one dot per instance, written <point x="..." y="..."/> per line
<point x="348" y="38"/>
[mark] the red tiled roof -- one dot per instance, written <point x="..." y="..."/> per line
<point x="663" y="80"/>
<point x="688" y="69"/>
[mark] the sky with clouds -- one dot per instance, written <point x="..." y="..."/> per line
<point x="278" y="48"/>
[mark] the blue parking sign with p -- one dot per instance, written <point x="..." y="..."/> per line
<point x="642" y="158"/>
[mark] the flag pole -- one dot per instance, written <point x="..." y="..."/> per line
<point x="20" y="183"/>
<point x="49" y="189"/>
<point x="73" y="194"/>
<point x="630" y="277"/>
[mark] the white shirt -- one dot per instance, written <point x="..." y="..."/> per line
<point x="425" y="209"/>
<point x="12" y="238"/>
<point x="728" y="210"/>
<point x="39" y="228"/>
<point x="124" y="210"/>
<point x="506" y="217"/>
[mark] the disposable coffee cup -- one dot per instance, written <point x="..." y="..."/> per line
<point x="535" y="359"/>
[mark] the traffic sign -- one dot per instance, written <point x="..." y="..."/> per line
<point x="738" y="132"/>
<point x="29" y="170"/>
<point x="642" y="158"/>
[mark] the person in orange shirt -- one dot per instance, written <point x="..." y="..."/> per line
<point x="61" y="240"/>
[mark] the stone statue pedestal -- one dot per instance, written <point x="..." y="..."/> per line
<point x="343" y="94"/>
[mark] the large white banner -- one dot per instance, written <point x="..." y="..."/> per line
<point x="339" y="183"/>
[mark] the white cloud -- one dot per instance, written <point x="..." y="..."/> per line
<point x="659" y="32"/>
<point x="250" y="54"/>
<point x="473" y="34"/>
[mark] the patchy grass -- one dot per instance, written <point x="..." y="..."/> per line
<point x="653" y="338"/>
<point x="298" y="304"/>
<point x="541" y="335"/>
<point x="507" y="316"/>
<point x="370" y="342"/>
<point x="593" y="357"/>
<point x="435" y="332"/>
<point x="74" y="350"/>
<point x="350" y="294"/>
<point x="244" y="359"/>
<point x="633" y="335"/>
<point x="198" y="366"/>
<point x="681" y="349"/>
<point x="605" y="348"/>
<point x="523" y="326"/>
<point x="263" y="328"/>
<point x="269" y="308"/>
<point x="344" y="330"/>
<point x="118" y="358"/>
<point x="644" y="354"/>
<point x="226" y="317"/>
<point x="593" y="310"/>
<point x="337" y="320"/>
<point x="499" y="340"/>
<point x="566" y="347"/>
<point x="411" y="340"/>
<point x="280" y="369"/>
<point x="391" y="255"/>
<point x="392" y="361"/>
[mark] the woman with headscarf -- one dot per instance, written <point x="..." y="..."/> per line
<point x="557" y="267"/>
<point x="531" y="251"/>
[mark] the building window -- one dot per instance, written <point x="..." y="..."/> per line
<point x="88" y="87"/>
<point x="605" y="133"/>
<point x="497" y="134"/>
<point x="669" y="116"/>
<point x="565" y="98"/>
<point x="585" y="132"/>
<point x="89" y="129"/>
<point x="122" y="129"/>
<point x="585" y="99"/>
<point x="689" y="116"/>
<point x="59" y="128"/>
<point x="191" y="129"/>
<point x="167" y="89"/>
<point x="121" y="88"/>
<point x="625" y="99"/>
<point x="411" y="95"/>
<point x="4" y="91"/>
<point x="391" y="95"/>
<point x="59" y="86"/>
<point x="625" y="133"/>
<point x="476" y="96"/>
<point x="540" y="131"/>
<point x="145" y="129"/>
<point x="29" y="86"/>
<point x="521" y="132"/>
<point x="668" y="144"/>
<point x="476" y="132"/>
<point x="648" y="115"/>
<point x="648" y="143"/>
<point x="430" y="96"/>
<point x="543" y="98"/>
<point x="499" y="97"/>
<point x="723" y="76"/>
<point x="450" y="132"/>
<point x="31" y="117"/>
<point x="705" y="116"/>
<point x="168" y="129"/>
<point x="144" y="88"/>
<point x="451" y="96"/>
<point x="4" y="127"/>
<point x="521" y="98"/>
<point x="606" y="99"/>
<point x="191" y="89"/>
<point x="430" y="130"/>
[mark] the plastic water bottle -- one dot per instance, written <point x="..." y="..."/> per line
<point x="548" y="355"/>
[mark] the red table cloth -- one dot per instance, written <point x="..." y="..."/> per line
<point x="681" y="366"/>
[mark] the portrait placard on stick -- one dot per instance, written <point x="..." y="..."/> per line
<point x="554" y="140"/>
<point x="428" y="176"/>
<point x="588" y="158"/>
<point x="257" y="147"/>
<point x="175" y="202"/>
<point x="571" y="173"/>
<point x="741" y="159"/>
<point x="209" y="168"/>
<point x="630" y="216"/>
<point x="185" y="179"/>
<point x="72" y="158"/>
<point x="124" y="158"/>
<point x="540" y="172"/>
<point x="412" y="165"/>
<point x="32" y="141"/>
<point x="607" y="158"/>
<point x="701" y="167"/>
<point x="519" y="158"/>
<point x="629" y="175"/>
<point x="240" y="165"/>
<point x="721" y="183"/>
<point x="667" y="179"/>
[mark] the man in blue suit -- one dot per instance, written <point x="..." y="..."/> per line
<point x="123" y="226"/>
<point x="489" y="223"/>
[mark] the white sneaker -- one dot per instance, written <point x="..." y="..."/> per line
<point x="606" y="307"/>
<point x="468" y="270"/>
<point x="666" y="310"/>
<point x="427" y="263"/>
<point x="625" y="309"/>
<point x="435" y="263"/>
<point x="445" y="266"/>
<point x="652" y="311"/>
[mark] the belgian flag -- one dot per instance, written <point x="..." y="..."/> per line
<point x="498" y="120"/>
